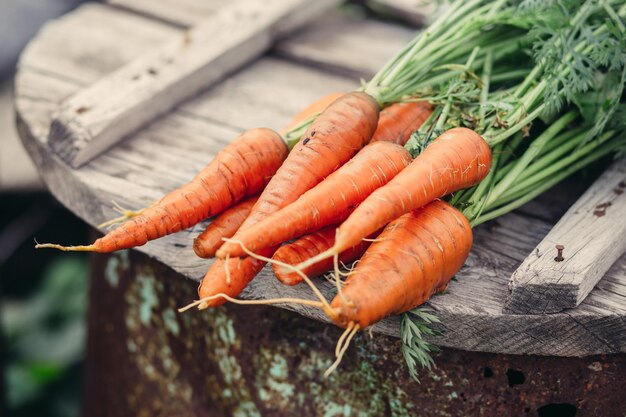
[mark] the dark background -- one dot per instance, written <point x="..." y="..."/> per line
<point x="42" y="294"/>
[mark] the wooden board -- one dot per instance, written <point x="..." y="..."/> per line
<point x="99" y="116"/>
<point x="169" y="152"/>
<point x="591" y="236"/>
<point x="187" y="13"/>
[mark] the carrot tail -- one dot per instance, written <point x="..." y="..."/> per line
<point x="305" y="248"/>
<point x="224" y="225"/>
<point x="83" y="248"/>
<point x="229" y="277"/>
<point x="457" y="159"/>
<point x="398" y="121"/>
<point x="415" y="256"/>
<point x="125" y="215"/>
<point x="329" y="202"/>
<point x="239" y="170"/>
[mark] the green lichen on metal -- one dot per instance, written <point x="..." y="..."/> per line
<point x="148" y="298"/>
<point x="288" y="388"/>
<point x="110" y="271"/>
<point x="170" y="322"/>
<point x="117" y="263"/>
<point x="148" y="340"/>
<point x="274" y="385"/>
<point x="283" y="376"/>
<point x="246" y="409"/>
<point x="333" y="410"/>
<point x="224" y="349"/>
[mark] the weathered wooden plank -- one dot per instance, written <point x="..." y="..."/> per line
<point x="591" y="236"/>
<point x="87" y="44"/>
<point x="168" y="152"/>
<point x="350" y="45"/>
<point x="411" y="11"/>
<point x="187" y="13"/>
<point x="101" y="115"/>
<point x="184" y="13"/>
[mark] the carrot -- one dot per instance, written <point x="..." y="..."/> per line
<point x="308" y="246"/>
<point x="329" y="202"/>
<point x="398" y="121"/>
<point x="457" y="159"/>
<point x="240" y="170"/>
<point x="224" y="225"/>
<point x="343" y="128"/>
<point x="415" y="256"/>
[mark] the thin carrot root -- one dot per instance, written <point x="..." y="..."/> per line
<point x="125" y="215"/>
<point x="227" y="270"/>
<point x="337" y="275"/>
<point x="315" y="259"/>
<point x="201" y="303"/>
<point x="342" y="346"/>
<point x="324" y="303"/>
<point x="84" y="248"/>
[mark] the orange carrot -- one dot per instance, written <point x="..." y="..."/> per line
<point x="457" y="159"/>
<point x="240" y="170"/>
<point x="329" y="202"/>
<point x="398" y="121"/>
<point x="343" y="128"/>
<point x="415" y="256"/>
<point x="224" y="225"/>
<point x="308" y="246"/>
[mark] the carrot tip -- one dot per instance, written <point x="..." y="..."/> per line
<point x="87" y="248"/>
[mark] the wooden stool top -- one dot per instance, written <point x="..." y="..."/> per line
<point x="332" y="54"/>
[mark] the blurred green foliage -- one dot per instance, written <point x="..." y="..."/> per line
<point x="44" y="342"/>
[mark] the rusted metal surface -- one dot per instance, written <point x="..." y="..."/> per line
<point x="145" y="359"/>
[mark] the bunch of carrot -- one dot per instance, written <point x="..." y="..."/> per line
<point x="460" y="114"/>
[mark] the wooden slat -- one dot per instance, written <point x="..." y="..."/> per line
<point x="592" y="235"/>
<point x="187" y="13"/>
<point x="337" y="43"/>
<point x="184" y="13"/>
<point x="412" y="11"/>
<point x="168" y="152"/>
<point x="101" y="115"/>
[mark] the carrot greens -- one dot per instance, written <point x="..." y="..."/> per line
<point x="548" y="107"/>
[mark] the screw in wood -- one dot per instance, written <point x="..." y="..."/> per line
<point x="559" y="254"/>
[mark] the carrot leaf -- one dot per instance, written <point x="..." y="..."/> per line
<point x="415" y="325"/>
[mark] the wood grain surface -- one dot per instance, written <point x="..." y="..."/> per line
<point x="167" y="153"/>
